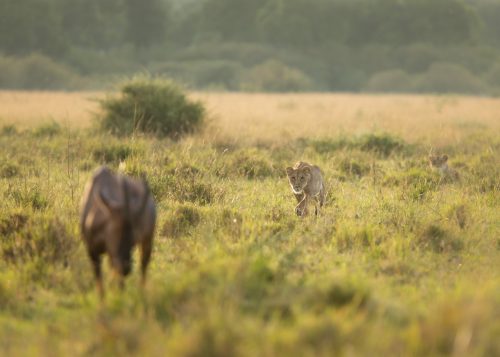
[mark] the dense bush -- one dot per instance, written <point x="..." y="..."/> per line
<point x="275" y="76"/>
<point x="250" y="164"/>
<point x="383" y="144"/>
<point x="443" y="77"/>
<point x="9" y="169"/>
<point x="37" y="72"/>
<point x="181" y="221"/>
<point x="438" y="240"/>
<point x="50" y="129"/>
<point x="40" y="236"/>
<point x="111" y="154"/>
<point x="153" y="106"/>
<point x="394" y="80"/>
<point x="211" y="74"/>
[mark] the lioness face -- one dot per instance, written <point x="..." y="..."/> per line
<point x="438" y="161"/>
<point x="298" y="178"/>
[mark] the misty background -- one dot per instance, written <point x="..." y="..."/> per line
<point x="437" y="46"/>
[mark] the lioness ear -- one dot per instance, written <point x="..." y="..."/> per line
<point x="445" y="157"/>
<point x="289" y="171"/>
<point x="307" y="170"/>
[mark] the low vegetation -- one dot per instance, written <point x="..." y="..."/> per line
<point x="151" y="106"/>
<point x="400" y="262"/>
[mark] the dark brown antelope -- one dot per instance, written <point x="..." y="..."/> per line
<point x="117" y="213"/>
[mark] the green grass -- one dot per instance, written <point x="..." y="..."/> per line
<point x="399" y="262"/>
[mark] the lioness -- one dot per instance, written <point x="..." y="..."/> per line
<point x="307" y="183"/>
<point x="440" y="163"/>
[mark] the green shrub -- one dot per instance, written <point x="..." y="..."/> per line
<point x="251" y="167"/>
<point x="194" y="191"/>
<point x="153" y="106"/>
<point x="185" y="171"/>
<point x="415" y="182"/>
<point x="48" y="130"/>
<point x="37" y="237"/>
<point x="133" y="166"/>
<point x="183" y="188"/>
<point x="352" y="167"/>
<point x="257" y="280"/>
<point x="419" y="189"/>
<point x="111" y="153"/>
<point x="337" y="294"/>
<point x="485" y="168"/>
<point x="327" y="145"/>
<point x="230" y="222"/>
<point x="181" y="221"/>
<point x="460" y="215"/>
<point x="12" y="223"/>
<point x="438" y="240"/>
<point x="412" y="176"/>
<point x="382" y="144"/>
<point x="350" y="238"/>
<point x="8" y="130"/>
<point x="28" y="197"/>
<point x="250" y="164"/>
<point x="9" y="170"/>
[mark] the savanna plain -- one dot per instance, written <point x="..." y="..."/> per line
<point x="400" y="261"/>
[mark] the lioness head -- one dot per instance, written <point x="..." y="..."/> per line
<point x="298" y="178"/>
<point x="438" y="161"/>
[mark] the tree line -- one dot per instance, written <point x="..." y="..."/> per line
<point x="304" y="38"/>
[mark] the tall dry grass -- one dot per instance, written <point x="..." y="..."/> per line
<point x="30" y="108"/>
<point x="438" y="120"/>
<point x="390" y="267"/>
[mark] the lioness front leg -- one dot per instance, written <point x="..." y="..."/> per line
<point x="301" y="208"/>
<point x="322" y="196"/>
<point x="299" y="197"/>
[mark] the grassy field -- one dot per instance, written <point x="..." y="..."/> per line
<point x="400" y="262"/>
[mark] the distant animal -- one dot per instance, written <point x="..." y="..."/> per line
<point x="440" y="163"/>
<point x="117" y="213"/>
<point x="307" y="184"/>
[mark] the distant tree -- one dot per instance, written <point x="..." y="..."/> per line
<point x="146" y="22"/>
<point x="231" y="19"/>
<point x="94" y="23"/>
<point x="405" y="21"/>
<point x="489" y="12"/>
<point x="31" y="25"/>
<point x="304" y="23"/>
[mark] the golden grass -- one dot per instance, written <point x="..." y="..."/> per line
<point x="31" y="108"/>
<point x="437" y="120"/>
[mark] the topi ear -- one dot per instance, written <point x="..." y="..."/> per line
<point x="107" y="203"/>
<point x="289" y="171"/>
<point x="445" y="157"/>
